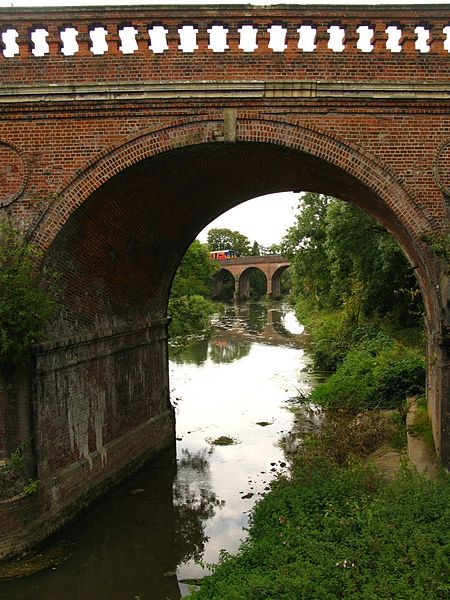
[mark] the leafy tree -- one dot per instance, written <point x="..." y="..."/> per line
<point x="27" y="294"/>
<point x="273" y="249"/>
<point x="226" y="239"/>
<point x="256" y="251"/>
<point x="342" y="258"/>
<point x="195" y="273"/>
<point x="304" y="244"/>
<point x="189" y="304"/>
<point x="367" y="265"/>
<point x="190" y="315"/>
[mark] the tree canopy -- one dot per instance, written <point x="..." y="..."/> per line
<point x="195" y="273"/>
<point x="343" y="257"/>
<point x="189" y="304"/>
<point x="226" y="239"/>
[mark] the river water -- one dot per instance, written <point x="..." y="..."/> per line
<point x="165" y="524"/>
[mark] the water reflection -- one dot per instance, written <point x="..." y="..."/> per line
<point x="306" y="419"/>
<point x="196" y="353"/>
<point x="123" y="546"/>
<point x="255" y="369"/>
<point x="273" y="323"/>
<point x="177" y="512"/>
<point x="194" y="503"/>
<point x="225" y="348"/>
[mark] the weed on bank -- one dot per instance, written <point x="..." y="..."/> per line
<point x="332" y="532"/>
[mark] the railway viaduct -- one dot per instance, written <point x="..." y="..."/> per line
<point x="124" y="131"/>
<point x="272" y="266"/>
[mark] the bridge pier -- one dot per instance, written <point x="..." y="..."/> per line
<point x="100" y="408"/>
<point x="443" y="362"/>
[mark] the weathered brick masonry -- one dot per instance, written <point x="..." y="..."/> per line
<point x="114" y="157"/>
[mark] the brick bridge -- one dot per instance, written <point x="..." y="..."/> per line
<point x="272" y="266"/>
<point x="125" y="131"/>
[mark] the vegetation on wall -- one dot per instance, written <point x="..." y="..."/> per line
<point x="27" y="296"/>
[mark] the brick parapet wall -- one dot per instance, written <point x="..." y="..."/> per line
<point x="232" y="64"/>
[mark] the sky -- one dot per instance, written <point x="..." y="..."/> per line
<point x="257" y="219"/>
<point x="263" y="219"/>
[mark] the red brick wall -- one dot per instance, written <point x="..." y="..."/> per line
<point x="114" y="177"/>
<point x="233" y="63"/>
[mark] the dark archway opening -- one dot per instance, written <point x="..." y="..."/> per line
<point x="252" y="284"/>
<point x="119" y="251"/>
<point x="223" y="286"/>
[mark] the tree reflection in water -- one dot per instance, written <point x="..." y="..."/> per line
<point x="194" y="353"/>
<point x="194" y="503"/>
<point x="226" y="349"/>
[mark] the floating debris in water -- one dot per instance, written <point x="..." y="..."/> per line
<point x="223" y="440"/>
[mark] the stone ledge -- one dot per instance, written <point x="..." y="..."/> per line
<point x="29" y="519"/>
<point x="104" y="92"/>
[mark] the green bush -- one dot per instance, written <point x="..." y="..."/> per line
<point x="332" y="334"/>
<point x="27" y="294"/>
<point x="342" y="533"/>
<point x="377" y="373"/>
<point x="190" y="315"/>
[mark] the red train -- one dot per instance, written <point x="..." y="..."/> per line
<point x="222" y="254"/>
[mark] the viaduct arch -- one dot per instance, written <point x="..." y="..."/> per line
<point x="114" y="178"/>
<point x="271" y="266"/>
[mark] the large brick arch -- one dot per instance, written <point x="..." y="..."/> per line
<point x="118" y="230"/>
<point x="378" y="189"/>
<point x="133" y="154"/>
<point x="355" y="161"/>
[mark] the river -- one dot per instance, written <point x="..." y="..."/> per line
<point x="166" y="523"/>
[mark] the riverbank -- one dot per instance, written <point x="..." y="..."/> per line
<point x="337" y="527"/>
<point x="353" y="518"/>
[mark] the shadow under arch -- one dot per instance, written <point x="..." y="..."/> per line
<point x="245" y="281"/>
<point x="223" y="285"/>
<point x="123" y="223"/>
